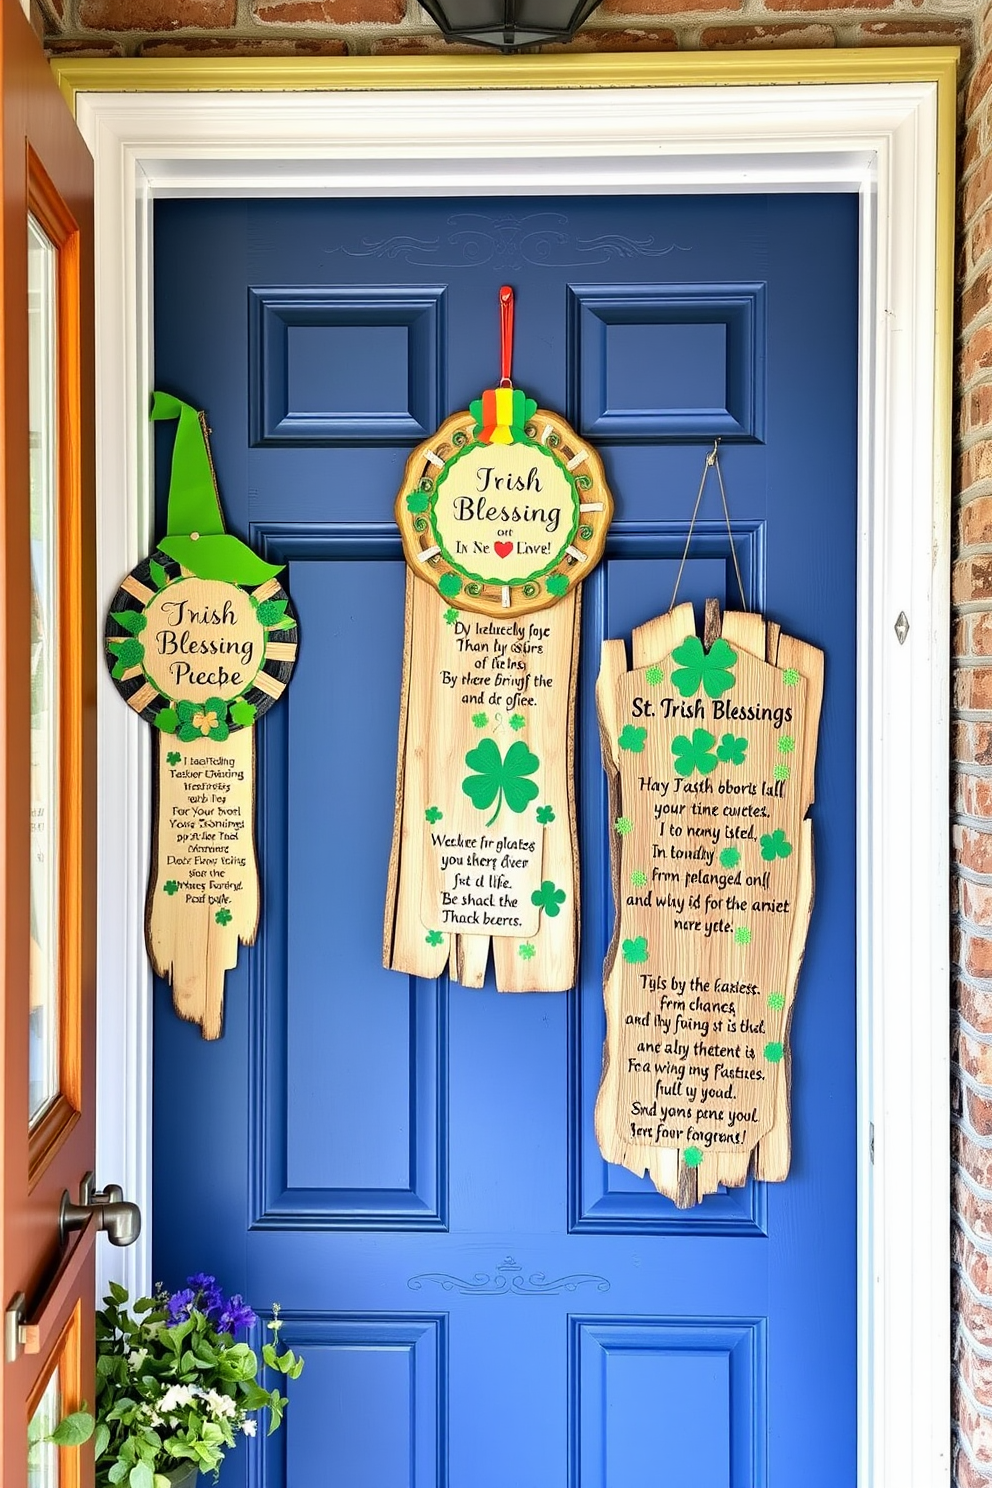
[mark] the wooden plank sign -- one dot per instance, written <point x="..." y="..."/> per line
<point x="200" y="656"/>
<point x="710" y="748"/>
<point x="502" y="513"/>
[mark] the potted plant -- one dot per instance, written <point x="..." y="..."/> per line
<point x="175" y="1389"/>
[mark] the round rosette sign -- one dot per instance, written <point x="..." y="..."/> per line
<point x="505" y="508"/>
<point x="199" y="657"/>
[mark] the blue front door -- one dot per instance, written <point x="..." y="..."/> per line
<point x="409" y="1168"/>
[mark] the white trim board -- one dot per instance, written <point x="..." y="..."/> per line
<point x="877" y="139"/>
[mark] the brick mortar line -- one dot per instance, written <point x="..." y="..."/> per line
<point x="964" y="607"/>
<point x="983" y="1143"/>
<point x="984" y="1247"/>
<point x="978" y="1190"/>
<point x="985" y="1468"/>
<point x="982" y="1298"/>
<point x="971" y="768"/>
<point x="980" y="984"/>
<point x="980" y="1350"/>
<point x="971" y="875"/>
<point x="971" y="715"/>
<point x="960" y="1024"/>
<point x="973" y="823"/>
<point x="984" y="1092"/>
<point x="976" y="931"/>
<point x="985" y="1411"/>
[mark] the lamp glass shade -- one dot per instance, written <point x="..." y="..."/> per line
<point x="509" y="25"/>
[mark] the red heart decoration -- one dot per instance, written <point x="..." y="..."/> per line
<point x="503" y="549"/>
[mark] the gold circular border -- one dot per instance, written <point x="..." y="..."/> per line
<point x="427" y="460"/>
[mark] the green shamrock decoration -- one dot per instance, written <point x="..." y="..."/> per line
<point x="173" y="757"/>
<point x="223" y="917"/>
<point x="527" y="950"/>
<point x="133" y="621"/>
<point x="497" y="778"/>
<point x="633" y="738"/>
<point x="730" y="857"/>
<point x="709" y="670"/>
<point x="480" y="719"/>
<point x="517" y="722"/>
<point x="450" y="616"/>
<point x="434" y="937"/>
<point x="271" y="613"/>
<point x="786" y="744"/>
<point x="243" y="713"/>
<point x="742" y="935"/>
<point x="171" y="887"/>
<point x="638" y="878"/>
<point x="692" y="1157"/>
<point x="773" y="1052"/>
<point x="654" y="676"/>
<point x="694" y="754"/>
<point x="202" y="720"/>
<point x="545" y="816"/>
<point x="449" y="584"/>
<point x="775" y="845"/>
<point x="549" y="898"/>
<point x="158" y="574"/>
<point x="417" y="502"/>
<point x="731" y="750"/>
<point x="776" y="1001"/>
<point x="433" y="814"/>
<point x="790" y="677"/>
<point x="557" y="584"/>
<point x="781" y="772"/>
<point x="635" y="951"/>
<point x="166" y="720"/>
<point x="624" y="825"/>
<point x="130" y="653"/>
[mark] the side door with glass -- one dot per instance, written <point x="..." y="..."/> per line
<point x="47" y="747"/>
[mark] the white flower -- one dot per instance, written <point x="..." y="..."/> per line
<point x="220" y="1405"/>
<point x="175" y="1396"/>
<point x="249" y="1427"/>
<point x="136" y="1358"/>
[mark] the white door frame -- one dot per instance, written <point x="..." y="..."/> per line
<point x="882" y="128"/>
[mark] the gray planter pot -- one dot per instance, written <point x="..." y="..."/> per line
<point x="183" y="1477"/>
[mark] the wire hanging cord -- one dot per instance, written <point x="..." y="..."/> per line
<point x="712" y="461"/>
<point x="505" y="336"/>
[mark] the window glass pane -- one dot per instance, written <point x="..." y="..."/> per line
<point x="42" y="368"/>
<point x="43" y="1457"/>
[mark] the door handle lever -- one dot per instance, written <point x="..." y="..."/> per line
<point x="119" y="1220"/>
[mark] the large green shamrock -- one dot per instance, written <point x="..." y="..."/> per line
<point x="633" y="738"/>
<point x="694" y="754"/>
<point x="130" y="653"/>
<point x="549" y="898"/>
<point x="497" y="778"/>
<point x="775" y="845"/>
<point x="202" y="720"/>
<point x="635" y="951"/>
<point x="731" y="750"/>
<point x="711" y="670"/>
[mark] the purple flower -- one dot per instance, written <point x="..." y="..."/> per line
<point x="179" y="1304"/>
<point x="237" y="1314"/>
<point x="209" y="1297"/>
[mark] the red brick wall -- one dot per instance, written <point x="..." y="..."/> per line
<point x="171" y="28"/>
<point x="168" y="28"/>
<point x="972" y="793"/>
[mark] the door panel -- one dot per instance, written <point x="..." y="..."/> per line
<point x="47" y="758"/>
<point x="410" y="1168"/>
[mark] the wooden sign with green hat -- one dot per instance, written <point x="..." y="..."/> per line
<point x="201" y="640"/>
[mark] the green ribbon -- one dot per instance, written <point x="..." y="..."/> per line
<point x="195" y="535"/>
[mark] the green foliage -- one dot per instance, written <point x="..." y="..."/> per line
<point x="545" y="816"/>
<point x="417" y="502"/>
<point x="270" y="611"/>
<point x="742" y="936"/>
<point x="557" y="584"/>
<point x="173" y="1386"/>
<point x="223" y="917"/>
<point x="732" y="751"/>
<point x="775" y="845"/>
<point x="790" y="677"/>
<point x="632" y="738"/>
<point x="638" y="878"/>
<point x="449" y="584"/>
<point x="497" y="778"/>
<point x="776" y="1001"/>
<point x="517" y="721"/>
<point x="781" y="772"/>
<point x="242" y="713"/>
<point x="133" y="621"/>
<point x="159" y="576"/>
<point x="549" y="898"/>
<point x="692" y="1157"/>
<point x="527" y="950"/>
<point x="698" y="668"/>
<point x="654" y="676"/>
<point x="695" y="753"/>
<point x="786" y="744"/>
<point x="624" y="825"/>
<point x="450" y="616"/>
<point x="480" y="719"/>
<point x="635" y="951"/>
